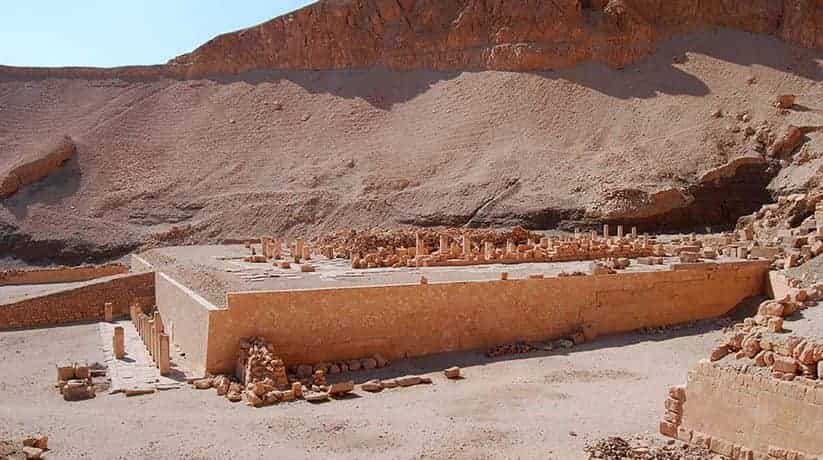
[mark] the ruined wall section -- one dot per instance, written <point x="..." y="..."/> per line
<point x="59" y="275"/>
<point x="83" y="303"/>
<point x="747" y="415"/>
<point x="310" y="326"/>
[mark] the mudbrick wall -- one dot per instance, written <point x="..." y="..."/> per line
<point x="745" y="415"/>
<point x="310" y="326"/>
<point x="60" y="275"/>
<point x="83" y="303"/>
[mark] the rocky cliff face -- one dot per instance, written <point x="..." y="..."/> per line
<point x="515" y="35"/>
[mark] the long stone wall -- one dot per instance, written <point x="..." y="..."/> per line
<point x="309" y="326"/>
<point x="81" y="303"/>
<point x="749" y="416"/>
<point x="60" y="275"/>
<point x="186" y="317"/>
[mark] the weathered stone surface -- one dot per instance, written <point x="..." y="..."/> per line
<point x="452" y="372"/>
<point x="470" y="34"/>
<point x="372" y="386"/>
<point x="341" y="388"/>
<point x="408" y="380"/>
<point x="316" y="397"/>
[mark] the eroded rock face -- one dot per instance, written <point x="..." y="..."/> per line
<point x="35" y="167"/>
<point x="520" y="35"/>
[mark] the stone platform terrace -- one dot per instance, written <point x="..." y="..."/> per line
<point x="209" y="299"/>
<point x="214" y="271"/>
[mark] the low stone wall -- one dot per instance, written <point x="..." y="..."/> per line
<point x="60" y="275"/>
<point x="81" y="303"/>
<point x="310" y="326"/>
<point x="747" y="415"/>
<point x="187" y="318"/>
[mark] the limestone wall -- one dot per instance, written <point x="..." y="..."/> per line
<point x="309" y="326"/>
<point x="731" y="411"/>
<point x="186" y="317"/>
<point x="59" y="275"/>
<point x="82" y="303"/>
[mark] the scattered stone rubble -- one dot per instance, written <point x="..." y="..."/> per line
<point x="261" y="378"/>
<point x="75" y="381"/>
<point x="760" y="339"/>
<point x="30" y="448"/>
<point x="616" y="448"/>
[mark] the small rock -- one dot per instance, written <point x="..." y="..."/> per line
<point x="32" y="452"/>
<point x="784" y="101"/>
<point x="369" y="363"/>
<point x="408" y="380"/>
<point x="452" y="372"/>
<point x="717" y="114"/>
<point x="202" y="384"/>
<point x="339" y="389"/>
<point x="372" y="386"/>
<point x="317" y="397"/>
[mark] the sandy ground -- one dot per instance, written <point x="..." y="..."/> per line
<point x="540" y="405"/>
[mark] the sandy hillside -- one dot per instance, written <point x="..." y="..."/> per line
<point x="300" y="151"/>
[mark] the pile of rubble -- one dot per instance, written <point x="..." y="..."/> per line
<point x="616" y="448"/>
<point x="794" y="225"/>
<point x="30" y="448"/>
<point x="75" y="381"/>
<point x="759" y="339"/>
<point x="261" y="379"/>
<point x="347" y="243"/>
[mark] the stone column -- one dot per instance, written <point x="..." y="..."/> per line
<point x="593" y="235"/>
<point x="444" y="246"/>
<point x="634" y="233"/>
<point x="488" y="250"/>
<point x="108" y="312"/>
<point x="164" y="355"/>
<point x="418" y="245"/>
<point x="606" y="231"/>
<point x="467" y="245"/>
<point x="306" y="253"/>
<point x="278" y="248"/>
<point x="619" y="231"/>
<point x="119" y="342"/>
<point x="150" y="337"/>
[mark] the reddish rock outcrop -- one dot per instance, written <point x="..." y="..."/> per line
<point x="520" y="35"/>
<point x="33" y="168"/>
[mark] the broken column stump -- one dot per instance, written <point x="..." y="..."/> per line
<point x="119" y="342"/>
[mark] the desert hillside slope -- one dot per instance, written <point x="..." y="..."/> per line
<point x="209" y="147"/>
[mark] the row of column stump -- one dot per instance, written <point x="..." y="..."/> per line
<point x="151" y="331"/>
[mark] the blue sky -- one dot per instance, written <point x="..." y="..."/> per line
<point x="107" y="33"/>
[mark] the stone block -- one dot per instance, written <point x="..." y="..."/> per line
<point x="372" y="386"/>
<point x="720" y="446"/>
<point x="108" y="312"/>
<point x="684" y="434"/>
<point x="452" y="372"/>
<point x="668" y="429"/>
<point x="408" y="380"/>
<point x="784" y="364"/>
<point x="341" y="388"/>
